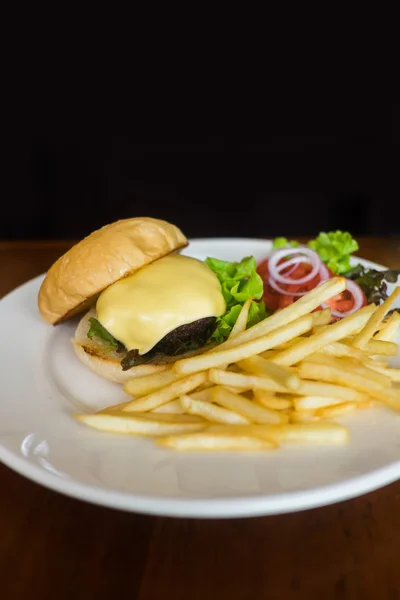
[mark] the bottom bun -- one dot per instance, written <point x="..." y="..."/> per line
<point x="101" y="360"/>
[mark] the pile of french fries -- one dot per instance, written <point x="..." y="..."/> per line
<point x="282" y="380"/>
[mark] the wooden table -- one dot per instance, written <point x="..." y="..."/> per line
<point x="53" y="547"/>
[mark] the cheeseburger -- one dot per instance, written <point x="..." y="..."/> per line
<point x="145" y="304"/>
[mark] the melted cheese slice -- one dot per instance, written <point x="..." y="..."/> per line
<point x="142" y="308"/>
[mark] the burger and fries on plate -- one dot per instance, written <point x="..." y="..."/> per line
<point x="224" y="356"/>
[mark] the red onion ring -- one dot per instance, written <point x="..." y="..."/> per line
<point x="291" y="269"/>
<point x="358" y="296"/>
<point x="324" y="273"/>
<point x="293" y="263"/>
<point x="279" y="254"/>
<point x="277" y="288"/>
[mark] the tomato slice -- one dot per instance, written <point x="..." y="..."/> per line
<point x="344" y="302"/>
<point x="262" y="269"/>
<point x="286" y="300"/>
<point x="271" y="296"/>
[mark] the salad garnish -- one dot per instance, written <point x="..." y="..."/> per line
<point x="292" y="270"/>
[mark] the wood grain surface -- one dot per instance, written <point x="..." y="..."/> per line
<point x="53" y="547"/>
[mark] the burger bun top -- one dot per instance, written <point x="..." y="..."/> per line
<point x="76" y="279"/>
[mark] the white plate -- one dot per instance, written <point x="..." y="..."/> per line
<point x="43" y="384"/>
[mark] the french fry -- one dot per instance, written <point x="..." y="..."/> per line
<point x="364" y="369"/>
<point x="370" y="363"/>
<point x="318" y="340"/>
<point x="141" y="386"/>
<point x="355" y="366"/>
<point x="376" y="362"/>
<point x="167" y="393"/>
<point x="241" y="380"/>
<point x="315" y="433"/>
<point x="393" y="374"/>
<point x="241" y="321"/>
<point x="234" y="368"/>
<point x="247" y="408"/>
<point x="112" y="408"/>
<point x="371" y="403"/>
<point x="272" y="402"/>
<point x="265" y="368"/>
<point x="284" y="346"/>
<point x="287" y="412"/>
<point x="340" y="349"/>
<point x="172" y="407"/>
<point x="269" y="354"/>
<point x="237" y="390"/>
<point x="215" y="359"/>
<point x="204" y="386"/>
<point x="148" y="424"/>
<point x="375" y="320"/>
<point x="303" y="416"/>
<point x="204" y="391"/>
<point x="313" y="403"/>
<point x="373" y="347"/>
<point x="380" y="347"/>
<point x="344" y="375"/>
<point x="390" y="328"/>
<point x="319" y="328"/>
<point x="381" y="325"/>
<point x="211" y="411"/>
<point x="330" y="390"/>
<point x="239" y="327"/>
<point x="331" y="412"/>
<point x="323" y="327"/>
<point x="322" y="317"/>
<point x="222" y="441"/>
<point x="304" y="306"/>
<point x="203" y="395"/>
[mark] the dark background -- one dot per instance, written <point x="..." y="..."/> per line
<point x="213" y="185"/>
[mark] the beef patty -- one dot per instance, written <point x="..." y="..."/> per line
<point x="183" y="339"/>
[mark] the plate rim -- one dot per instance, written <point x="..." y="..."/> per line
<point x="226" y="507"/>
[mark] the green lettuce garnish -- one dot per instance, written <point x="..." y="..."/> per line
<point x="335" y="249"/>
<point x="282" y="242"/>
<point x="97" y="330"/>
<point x="239" y="282"/>
<point x="373" y="282"/>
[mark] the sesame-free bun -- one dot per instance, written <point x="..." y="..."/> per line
<point x="103" y="361"/>
<point x="76" y="279"/>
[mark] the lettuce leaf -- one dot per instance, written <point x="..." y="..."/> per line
<point x="257" y="313"/>
<point x="335" y="249"/>
<point x="373" y="282"/>
<point x="282" y="242"/>
<point x="97" y="330"/>
<point x="239" y="282"/>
